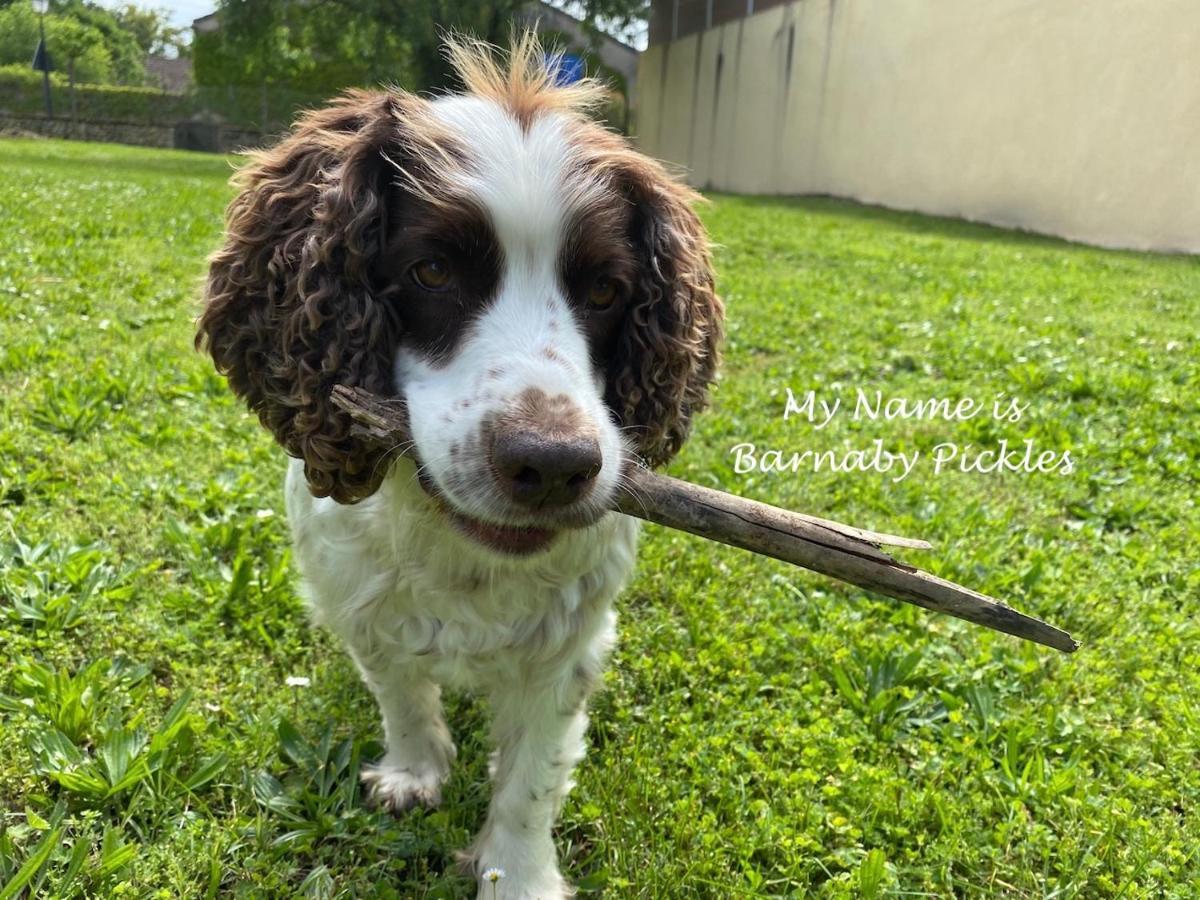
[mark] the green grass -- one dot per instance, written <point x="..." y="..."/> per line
<point x="763" y="731"/>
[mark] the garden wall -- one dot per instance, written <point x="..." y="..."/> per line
<point x="1075" y="119"/>
<point x="184" y="135"/>
<point x="112" y="132"/>
<point x="220" y="119"/>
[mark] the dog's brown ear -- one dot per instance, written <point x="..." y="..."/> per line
<point x="289" y="307"/>
<point x="668" y="349"/>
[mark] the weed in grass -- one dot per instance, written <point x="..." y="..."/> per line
<point x="46" y="857"/>
<point x="314" y="815"/>
<point x="876" y="688"/>
<point x="76" y="408"/>
<point x="89" y="736"/>
<point x="53" y="588"/>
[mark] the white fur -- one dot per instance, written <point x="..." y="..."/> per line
<point x="419" y="604"/>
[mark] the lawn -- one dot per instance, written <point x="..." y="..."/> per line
<point x="763" y="731"/>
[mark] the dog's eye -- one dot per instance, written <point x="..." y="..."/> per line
<point x="432" y="274"/>
<point x="602" y="293"/>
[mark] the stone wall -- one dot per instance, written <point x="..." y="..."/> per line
<point x="223" y="139"/>
<point x="110" y="132"/>
<point x="235" y="140"/>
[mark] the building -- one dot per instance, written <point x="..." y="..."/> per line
<point x="172" y="75"/>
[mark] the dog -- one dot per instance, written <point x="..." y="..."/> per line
<point x="541" y="296"/>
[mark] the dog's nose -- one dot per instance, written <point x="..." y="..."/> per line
<point x="545" y="471"/>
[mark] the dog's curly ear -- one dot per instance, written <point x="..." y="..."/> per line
<point x="668" y="349"/>
<point x="289" y="307"/>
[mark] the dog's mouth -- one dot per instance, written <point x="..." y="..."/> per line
<point x="513" y="540"/>
<point x="510" y="540"/>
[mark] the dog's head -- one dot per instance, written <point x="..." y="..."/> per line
<point x="539" y="293"/>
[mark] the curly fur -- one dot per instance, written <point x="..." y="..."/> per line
<point x="292" y="306"/>
<point x="668" y="350"/>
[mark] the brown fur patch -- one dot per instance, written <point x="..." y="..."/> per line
<point x="553" y="416"/>
<point x="667" y="352"/>
<point x="458" y="233"/>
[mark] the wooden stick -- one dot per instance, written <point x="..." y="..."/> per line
<point x="840" y="551"/>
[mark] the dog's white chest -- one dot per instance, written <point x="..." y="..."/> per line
<point x="395" y="580"/>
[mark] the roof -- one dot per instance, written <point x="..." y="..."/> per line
<point x="172" y="75"/>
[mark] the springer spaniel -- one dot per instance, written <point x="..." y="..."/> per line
<point x="541" y="296"/>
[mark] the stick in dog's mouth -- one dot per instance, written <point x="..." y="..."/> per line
<point x="840" y="551"/>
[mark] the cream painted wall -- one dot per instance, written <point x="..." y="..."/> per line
<point x="1079" y="118"/>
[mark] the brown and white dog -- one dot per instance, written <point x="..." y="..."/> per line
<point x="541" y="296"/>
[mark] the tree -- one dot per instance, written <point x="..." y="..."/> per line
<point x="88" y="36"/>
<point x="74" y="41"/>
<point x="123" y="49"/>
<point x="622" y="19"/>
<point x="152" y="30"/>
<point x="80" y="47"/>
<point x="428" y="21"/>
<point x="324" y="45"/>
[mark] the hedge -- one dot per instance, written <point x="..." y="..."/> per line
<point x="238" y="105"/>
<point x="21" y="94"/>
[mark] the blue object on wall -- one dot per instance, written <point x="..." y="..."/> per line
<point x="567" y="68"/>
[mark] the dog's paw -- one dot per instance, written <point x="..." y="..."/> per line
<point x="398" y="790"/>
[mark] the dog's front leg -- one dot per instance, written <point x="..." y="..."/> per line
<point x="419" y="748"/>
<point x="538" y="731"/>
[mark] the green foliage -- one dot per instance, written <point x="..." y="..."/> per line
<point x="21" y="94"/>
<point x="88" y="37"/>
<point x="624" y="19"/>
<point x="764" y="732"/>
<point x="44" y="854"/>
<point x="55" y="588"/>
<point x="151" y="29"/>
<point x="317" y="47"/>
<point x="121" y="43"/>
<point x="268" y="61"/>
<point x="317" y="813"/>
<point x="323" y="47"/>
<point x="66" y="37"/>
